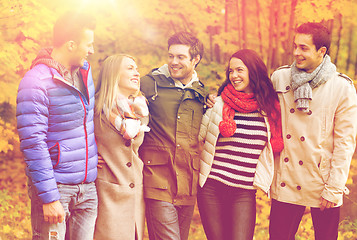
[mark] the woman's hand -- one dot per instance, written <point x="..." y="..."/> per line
<point x="101" y="161"/>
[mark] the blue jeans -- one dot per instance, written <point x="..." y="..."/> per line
<point x="80" y="205"/>
<point x="226" y="212"/>
<point x="286" y="217"/>
<point x="168" y="221"/>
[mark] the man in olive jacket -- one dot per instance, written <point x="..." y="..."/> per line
<point x="170" y="150"/>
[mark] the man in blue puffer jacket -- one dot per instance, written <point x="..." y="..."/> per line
<point x="55" y="104"/>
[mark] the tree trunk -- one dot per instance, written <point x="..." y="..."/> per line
<point x="338" y="38"/>
<point x="244" y="23"/>
<point x="291" y="31"/>
<point x="278" y="25"/>
<point x="271" y="34"/>
<point x="349" y="56"/>
<point x="259" y="28"/>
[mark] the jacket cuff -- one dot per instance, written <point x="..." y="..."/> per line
<point x="332" y="194"/>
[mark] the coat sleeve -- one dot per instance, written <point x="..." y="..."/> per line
<point x="204" y="125"/>
<point x="32" y="123"/>
<point x="345" y="132"/>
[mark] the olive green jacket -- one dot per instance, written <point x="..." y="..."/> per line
<point x="170" y="149"/>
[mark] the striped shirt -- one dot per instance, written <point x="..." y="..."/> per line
<point x="236" y="157"/>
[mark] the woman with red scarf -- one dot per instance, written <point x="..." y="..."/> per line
<point x="240" y="135"/>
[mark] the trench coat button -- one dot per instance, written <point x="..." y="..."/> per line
<point x="309" y="113"/>
<point x="288" y="136"/>
<point x="298" y="188"/>
<point x="282" y="184"/>
<point x="149" y="161"/>
<point x="301" y="162"/>
<point x="131" y="185"/>
<point x="127" y="143"/>
<point x="286" y="159"/>
<point x="128" y="164"/>
<point x="287" y="88"/>
<point x="292" y="110"/>
<point x="302" y="138"/>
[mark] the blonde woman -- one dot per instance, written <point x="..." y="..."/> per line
<point x="121" y="117"/>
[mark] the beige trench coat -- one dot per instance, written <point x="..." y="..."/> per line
<point x="121" y="208"/>
<point x="318" y="146"/>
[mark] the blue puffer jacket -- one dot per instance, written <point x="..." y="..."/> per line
<point x="55" y="125"/>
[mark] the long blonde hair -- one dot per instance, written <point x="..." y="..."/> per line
<point x="107" y="88"/>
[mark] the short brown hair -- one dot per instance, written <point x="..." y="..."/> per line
<point x="186" y="38"/>
<point x="71" y="26"/>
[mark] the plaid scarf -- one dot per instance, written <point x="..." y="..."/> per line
<point x="126" y="113"/>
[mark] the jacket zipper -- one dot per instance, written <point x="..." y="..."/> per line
<point x="86" y="136"/>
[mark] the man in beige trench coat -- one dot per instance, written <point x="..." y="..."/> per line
<point x="319" y="120"/>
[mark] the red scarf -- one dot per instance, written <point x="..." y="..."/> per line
<point x="246" y="103"/>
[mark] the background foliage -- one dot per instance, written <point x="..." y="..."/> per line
<point x="141" y="28"/>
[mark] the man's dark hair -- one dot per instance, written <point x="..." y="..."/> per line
<point x="321" y="36"/>
<point x="71" y="26"/>
<point x="186" y="38"/>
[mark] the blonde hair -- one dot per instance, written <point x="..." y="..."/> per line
<point x="107" y="88"/>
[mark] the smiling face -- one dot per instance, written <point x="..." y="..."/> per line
<point x="82" y="49"/>
<point x="181" y="66"/>
<point x="129" y="77"/>
<point x="307" y="57"/>
<point x="239" y="75"/>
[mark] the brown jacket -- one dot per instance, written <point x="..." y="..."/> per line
<point x="318" y="146"/>
<point x="121" y="208"/>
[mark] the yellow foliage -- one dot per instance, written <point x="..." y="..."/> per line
<point x="7" y="134"/>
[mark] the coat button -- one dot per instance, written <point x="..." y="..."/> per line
<point x="288" y="136"/>
<point x="129" y="164"/>
<point x="302" y="139"/>
<point x="298" y="188"/>
<point x="127" y="143"/>
<point x="131" y="185"/>
<point x="282" y="184"/>
<point x="309" y="113"/>
<point x="286" y="159"/>
<point x="301" y="162"/>
<point x="149" y="161"/>
<point x="292" y="110"/>
<point x="287" y="88"/>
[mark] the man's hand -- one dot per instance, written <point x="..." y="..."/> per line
<point x="100" y="161"/>
<point x="211" y="100"/>
<point x="326" y="204"/>
<point x="53" y="212"/>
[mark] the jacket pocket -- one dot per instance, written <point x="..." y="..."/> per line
<point x="156" y="168"/>
<point x="55" y="154"/>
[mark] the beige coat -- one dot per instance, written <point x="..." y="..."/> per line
<point x="121" y="209"/>
<point x="318" y="146"/>
<point x="209" y="132"/>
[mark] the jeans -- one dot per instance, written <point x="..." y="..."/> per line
<point x="79" y="202"/>
<point x="168" y="221"/>
<point x="226" y="212"/>
<point x="285" y="219"/>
